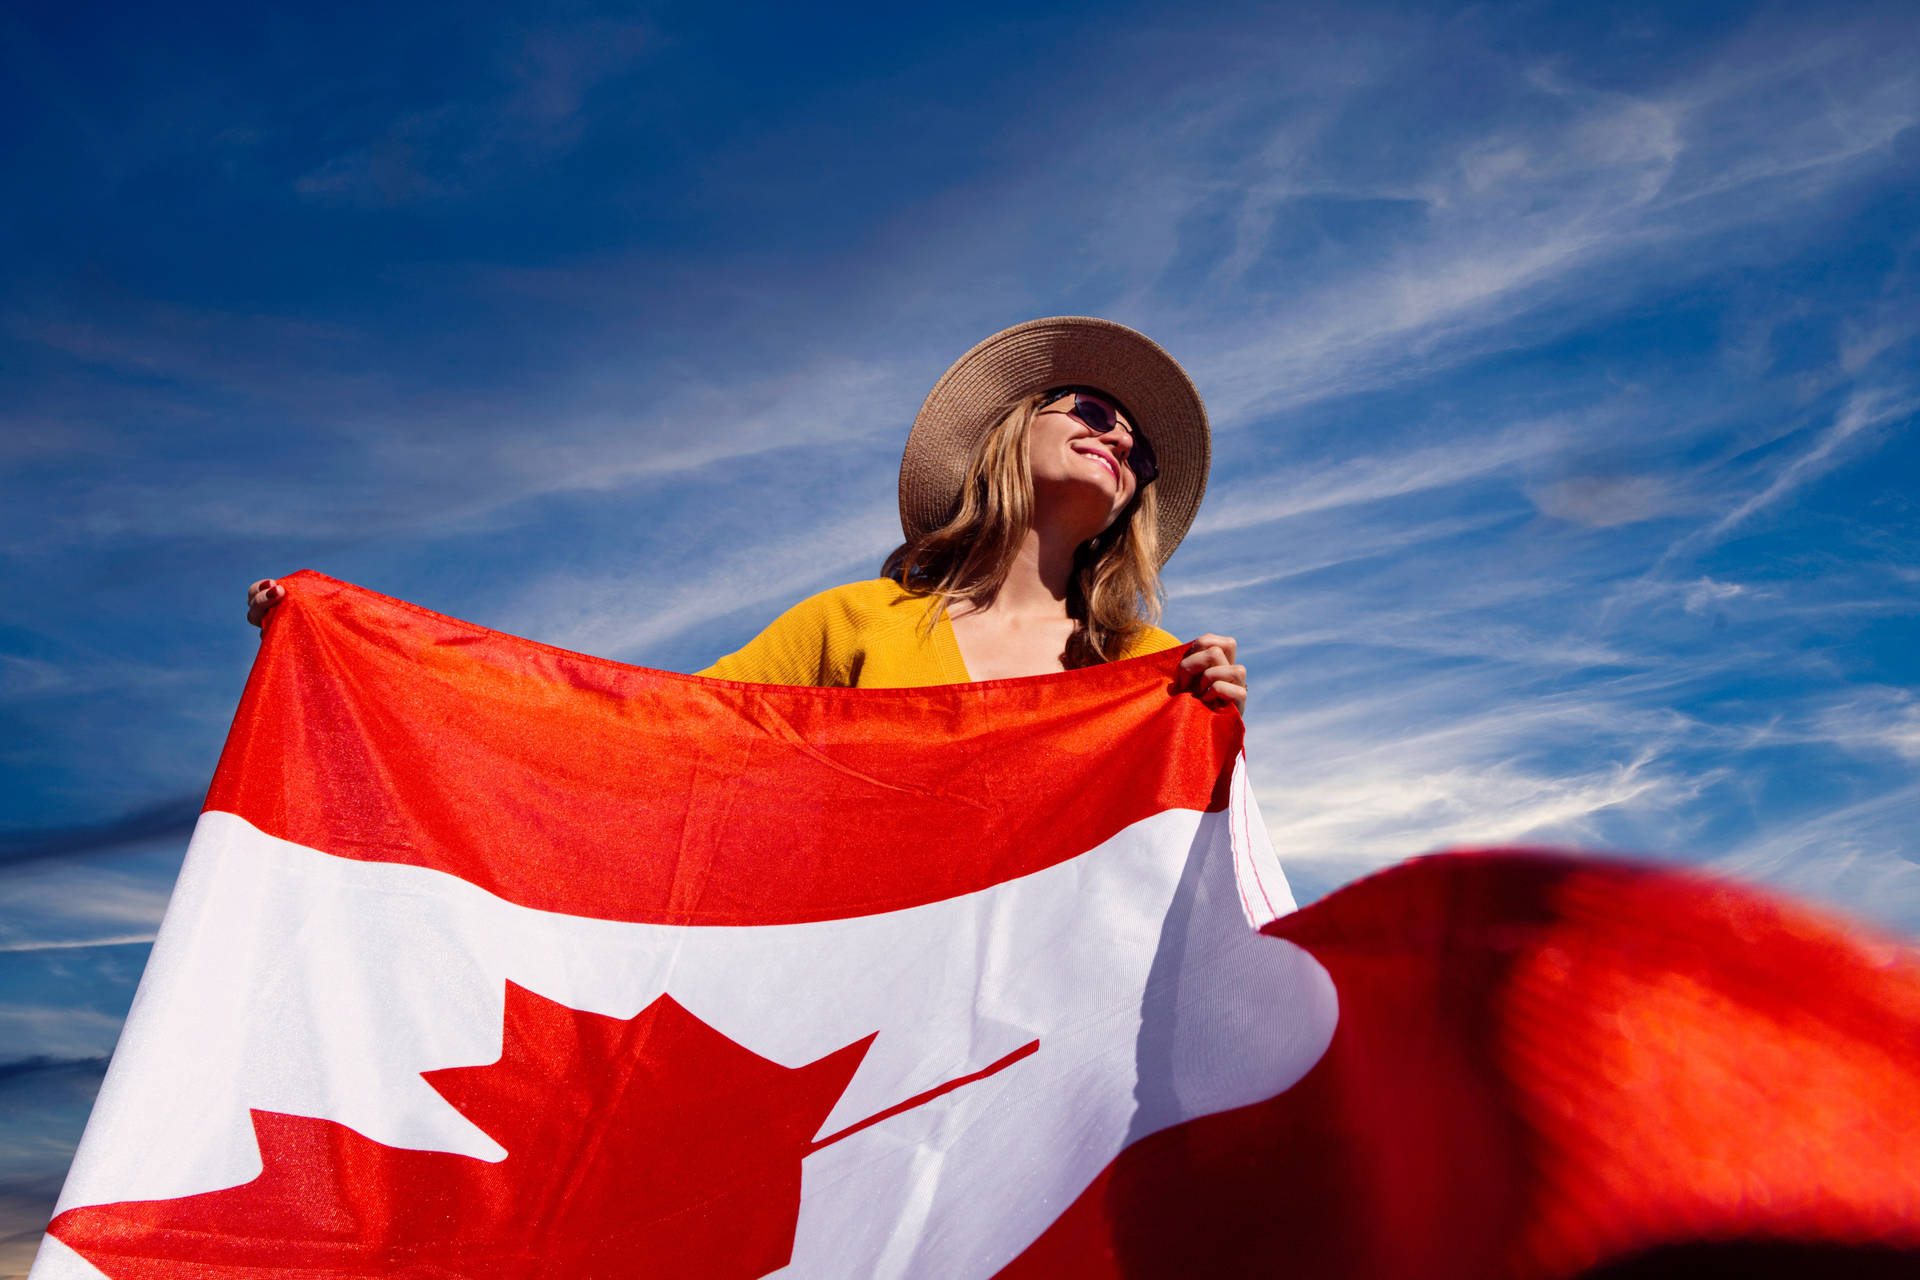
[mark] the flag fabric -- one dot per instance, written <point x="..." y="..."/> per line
<point x="1545" y="1067"/>
<point x="492" y="959"/>
<point x="489" y="959"/>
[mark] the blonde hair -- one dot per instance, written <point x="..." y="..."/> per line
<point x="1114" y="592"/>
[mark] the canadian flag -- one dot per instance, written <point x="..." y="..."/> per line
<point x="494" y="960"/>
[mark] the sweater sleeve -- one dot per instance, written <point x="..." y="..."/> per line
<point x="802" y="646"/>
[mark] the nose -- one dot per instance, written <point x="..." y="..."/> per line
<point x="1120" y="438"/>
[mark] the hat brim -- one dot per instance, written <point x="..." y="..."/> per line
<point x="1058" y="351"/>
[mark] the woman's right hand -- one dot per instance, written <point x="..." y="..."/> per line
<point x="261" y="597"/>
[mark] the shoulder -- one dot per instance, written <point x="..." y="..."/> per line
<point x="1149" y="640"/>
<point x="872" y="595"/>
<point x="819" y="641"/>
<point x="861" y="606"/>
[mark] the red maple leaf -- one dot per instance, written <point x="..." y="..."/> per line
<point x="652" y="1146"/>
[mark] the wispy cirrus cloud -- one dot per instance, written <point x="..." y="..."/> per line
<point x="628" y="614"/>
<point x="1363" y="778"/>
<point x="1519" y="210"/>
<point x="168" y="821"/>
<point x="1359" y="480"/>
<point x="1706" y="593"/>
<point x="1857" y="855"/>
<point x="528" y="110"/>
<point x="1864" y="408"/>
<point x="57" y="1031"/>
<point x="1561" y="425"/>
<point x="81" y="944"/>
<point x="1540" y="197"/>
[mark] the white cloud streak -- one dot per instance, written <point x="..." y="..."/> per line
<point x="1858" y="856"/>
<point x="57" y="1032"/>
<point x="78" y="944"/>
<point x="625" y="615"/>
<point x="1522" y="215"/>
<point x="1365" y="479"/>
<point x="1863" y="409"/>
<point x="1364" y="781"/>
<point x="1563" y="203"/>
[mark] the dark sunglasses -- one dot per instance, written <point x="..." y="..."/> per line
<point x="1103" y="418"/>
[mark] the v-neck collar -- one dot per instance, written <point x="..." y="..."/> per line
<point x="946" y="650"/>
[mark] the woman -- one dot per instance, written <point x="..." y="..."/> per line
<point x="1037" y="509"/>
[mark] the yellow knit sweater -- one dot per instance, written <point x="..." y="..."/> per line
<point x="866" y="635"/>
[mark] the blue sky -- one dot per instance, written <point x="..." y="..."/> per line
<point x="1562" y="362"/>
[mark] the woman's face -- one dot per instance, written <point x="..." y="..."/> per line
<point x="1076" y="464"/>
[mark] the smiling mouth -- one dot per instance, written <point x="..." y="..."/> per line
<point x="1112" y="467"/>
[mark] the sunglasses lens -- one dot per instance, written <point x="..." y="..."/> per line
<point x="1140" y="458"/>
<point x="1094" y="414"/>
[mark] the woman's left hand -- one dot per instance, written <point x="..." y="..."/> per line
<point x="1210" y="671"/>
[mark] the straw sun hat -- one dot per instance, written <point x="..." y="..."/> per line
<point x="1039" y="355"/>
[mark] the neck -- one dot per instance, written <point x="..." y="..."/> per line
<point x="1042" y="569"/>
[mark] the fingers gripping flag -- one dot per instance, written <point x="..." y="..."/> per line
<point x="493" y="960"/>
